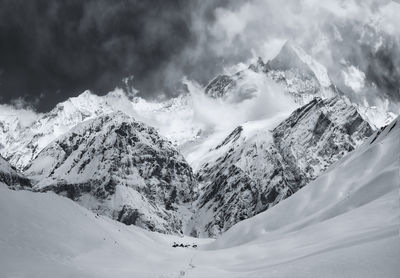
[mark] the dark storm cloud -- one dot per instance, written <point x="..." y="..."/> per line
<point x="56" y="49"/>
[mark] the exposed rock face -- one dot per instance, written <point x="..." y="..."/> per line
<point x="219" y="86"/>
<point x="118" y="167"/>
<point x="334" y="129"/>
<point x="11" y="177"/>
<point x="257" y="165"/>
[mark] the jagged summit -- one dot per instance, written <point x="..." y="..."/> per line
<point x="290" y="57"/>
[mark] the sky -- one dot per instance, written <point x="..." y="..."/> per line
<point x="51" y="50"/>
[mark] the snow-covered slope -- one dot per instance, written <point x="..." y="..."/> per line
<point x="46" y="235"/>
<point x="261" y="163"/>
<point x="350" y="229"/>
<point x="118" y="167"/>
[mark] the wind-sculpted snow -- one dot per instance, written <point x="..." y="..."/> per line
<point x="259" y="164"/>
<point x="118" y="167"/>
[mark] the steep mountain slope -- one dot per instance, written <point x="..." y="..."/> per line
<point x="118" y="167"/>
<point x="365" y="178"/>
<point x="11" y="177"/>
<point x="259" y="164"/>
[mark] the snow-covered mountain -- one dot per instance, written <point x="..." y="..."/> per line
<point x="118" y="167"/>
<point x="259" y="164"/>
<point x="29" y="141"/>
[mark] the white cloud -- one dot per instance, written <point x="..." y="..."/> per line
<point x="25" y="115"/>
<point x="354" y="78"/>
<point x="254" y="98"/>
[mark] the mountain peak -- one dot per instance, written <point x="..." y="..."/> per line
<point x="120" y="168"/>
<point x="293" y="57"/>
<point x="289" y="57"/>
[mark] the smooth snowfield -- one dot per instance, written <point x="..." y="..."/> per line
<point x="344" y="224"/>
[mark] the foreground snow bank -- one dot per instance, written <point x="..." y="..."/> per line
<point x="45" y="235"/>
